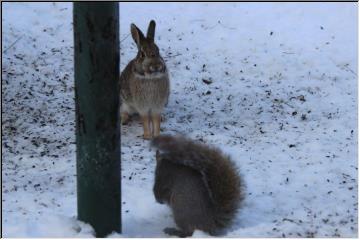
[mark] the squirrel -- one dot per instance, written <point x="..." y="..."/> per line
<point x="199" y="183"/>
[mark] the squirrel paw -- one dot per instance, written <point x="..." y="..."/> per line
<point x="176" y="232"/>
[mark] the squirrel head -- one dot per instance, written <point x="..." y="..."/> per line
<point x="163" y="179"/>
<point x="157" y="156"/>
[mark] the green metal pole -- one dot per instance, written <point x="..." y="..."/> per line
<point x="96" y="50"/>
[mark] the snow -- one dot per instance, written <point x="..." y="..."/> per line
<point x="273" y="85"/>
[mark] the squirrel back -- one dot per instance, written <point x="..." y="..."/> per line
<point x="200" y="184"/>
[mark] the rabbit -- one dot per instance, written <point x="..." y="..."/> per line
<point x="145" y="85"/>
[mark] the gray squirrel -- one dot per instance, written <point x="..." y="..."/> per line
<point x="199" y="183"/>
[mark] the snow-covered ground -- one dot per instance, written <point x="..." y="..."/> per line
<point x="274" y="85"/>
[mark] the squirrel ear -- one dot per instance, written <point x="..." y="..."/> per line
<point x="158" y="157"/>
<point x="136" y="34"/>
<point x="151" y="30"/>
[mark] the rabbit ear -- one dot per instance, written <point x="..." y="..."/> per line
<point x="136" y="34"/>
<point x="151" y="30"/>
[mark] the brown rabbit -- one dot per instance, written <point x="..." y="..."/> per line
<point x="145" y="83"/>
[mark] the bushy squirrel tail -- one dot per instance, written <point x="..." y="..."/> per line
<point x="219" y="173"/>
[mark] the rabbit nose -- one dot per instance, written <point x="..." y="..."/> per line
<point x="159" y="67"/>
<point x="155" y="68"/>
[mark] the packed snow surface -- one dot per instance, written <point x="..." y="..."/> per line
<point x="273" y="85"/>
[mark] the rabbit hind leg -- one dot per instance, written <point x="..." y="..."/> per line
<point x="125" y="112"/>
<point x="124" y="118"/>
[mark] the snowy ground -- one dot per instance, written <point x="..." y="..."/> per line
<point x="274" y="85"/>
